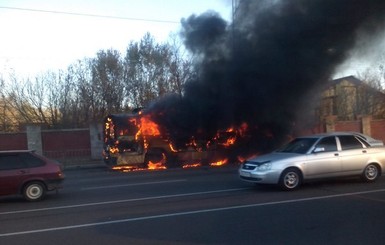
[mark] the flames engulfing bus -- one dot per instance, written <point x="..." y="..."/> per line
<point x="136" y="141"/>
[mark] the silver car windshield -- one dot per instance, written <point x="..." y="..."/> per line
<point x="299" y="145"/>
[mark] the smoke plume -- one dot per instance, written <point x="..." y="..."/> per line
<point x="261" y="68"/>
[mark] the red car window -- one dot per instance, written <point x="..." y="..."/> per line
<point x="11" y="161"/>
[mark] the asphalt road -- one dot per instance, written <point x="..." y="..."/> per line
<point x="194" y="206"/>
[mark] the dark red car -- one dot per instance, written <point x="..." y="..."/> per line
<point x="27" y="173"/>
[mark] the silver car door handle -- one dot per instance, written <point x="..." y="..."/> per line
<point x="364" y="151"/>
<point x="336" y="154"/>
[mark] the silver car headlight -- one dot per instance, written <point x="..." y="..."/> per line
<point x="264" y="167"/>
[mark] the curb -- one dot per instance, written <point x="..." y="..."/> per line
<point x="84" y="165"/>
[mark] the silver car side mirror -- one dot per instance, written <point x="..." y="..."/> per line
<point x="319" y="149"/>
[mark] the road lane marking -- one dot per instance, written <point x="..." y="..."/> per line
<point x="184" y="213"/>
<point x="136" y="184"/>
<point x="123" y="201"/>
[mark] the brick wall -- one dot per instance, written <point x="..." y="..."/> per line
<point x="366" y="125"/>
<point x="13" y="141"/>
<point x="354" y="126"/>
<point x="67" y="146"/>
<point x="378" y="129"/>
<point x="73" y="143"/>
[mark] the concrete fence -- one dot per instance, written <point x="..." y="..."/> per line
<point x="81" y="145"/>
<point x="67" y="145"/>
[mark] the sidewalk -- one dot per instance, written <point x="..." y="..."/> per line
<point x="89" y="164"/>
<point x="82" y="164"/>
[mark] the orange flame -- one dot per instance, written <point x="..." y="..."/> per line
<point x="230" y="141"/>
<point x="232" y="135"/>
<point x="114" y="149"/>
<point x="219" y="163"/>
<point x="157" y="165"/>
<point x="149" y="127"/>
<point x="241" y="159"/>
<point x="172" y="148"/>
<point x="230" y="130"/>
<point x="192" y="165"/>
<point x="123" y="168"/>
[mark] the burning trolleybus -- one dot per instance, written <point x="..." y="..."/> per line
<point x="136" y="141"/>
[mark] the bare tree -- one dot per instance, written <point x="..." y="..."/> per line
<point x="34" y="101"/>
<point x="147" y="71"/>
<point x="370" y="94"/>
<point x="93" y="87"/>
<point x="82" y="97"/>
<point x="20" y="98"/>
<point x="7" y="122"/>
<point x="154" y="70"/>
<point x="107" y="82"/>
<point x="68" y="104"/>
<point x="181" y="68"/>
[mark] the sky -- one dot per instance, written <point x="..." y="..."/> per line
<point x="42" y="35"/>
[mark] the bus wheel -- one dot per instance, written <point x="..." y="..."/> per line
<point x="155" y="158"/>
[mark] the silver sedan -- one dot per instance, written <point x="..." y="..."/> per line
<point x="316" y="157"/>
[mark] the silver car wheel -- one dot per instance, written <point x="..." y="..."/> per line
<point x="34" y="191"/>
<point x="371" y="173"/>
<point x="290" y="179"/>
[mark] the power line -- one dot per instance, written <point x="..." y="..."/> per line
<point x="89" y="15"/>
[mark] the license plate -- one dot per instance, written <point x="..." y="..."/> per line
<point x="245" y="174"/>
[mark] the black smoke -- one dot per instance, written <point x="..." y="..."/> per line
<point x="262" y="67"/>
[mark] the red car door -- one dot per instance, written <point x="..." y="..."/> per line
<point x="12" y="173"/>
